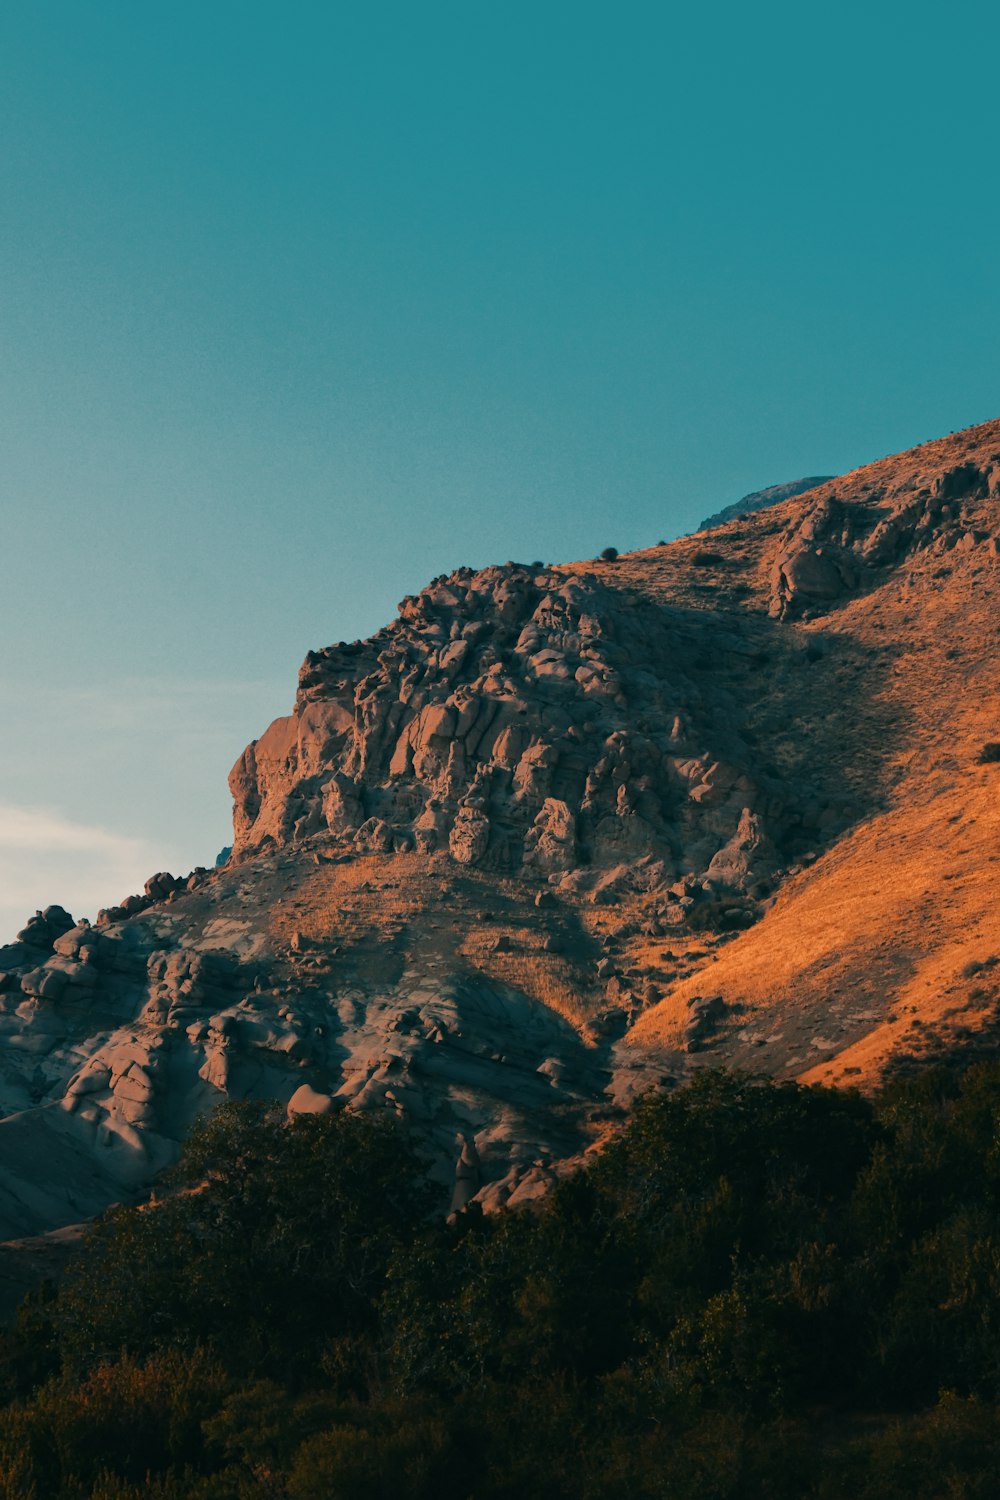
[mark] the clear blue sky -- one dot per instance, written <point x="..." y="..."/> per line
<point x="303" y="303"/>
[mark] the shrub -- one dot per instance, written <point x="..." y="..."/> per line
<point x="610" y="554"/>
<point x="755" y="1289"/>
<point x="277" y="1246"/>
<point x="989" y="753"/>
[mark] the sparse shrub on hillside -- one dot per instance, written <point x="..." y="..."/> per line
<point x="990" y="753"/>
<point x="610" y="554"/>
<point x="705" y="559"/>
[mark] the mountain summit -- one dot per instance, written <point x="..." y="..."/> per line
<point x="555" y="835"/>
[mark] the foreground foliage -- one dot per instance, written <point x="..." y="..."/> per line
<point x="755" y="1290"/>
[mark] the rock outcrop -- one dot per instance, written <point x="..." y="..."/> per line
<point x="524" y="720"/>
<point x="837" y="546"/>
<point x="555" y="836"/>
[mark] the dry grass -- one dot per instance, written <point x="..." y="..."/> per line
<point x="885" y="926"/>
<point x="890" y="696"/>
<point x="866" y="950"/>
<point x="554" y="981"/>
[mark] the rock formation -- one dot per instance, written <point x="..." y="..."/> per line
<point x="556" y="835"/>
<point x="761" y="499"/>
<point x="526" y="721"/>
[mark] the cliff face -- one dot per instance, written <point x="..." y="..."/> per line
<point x="570" y="724"/>
<point x="556" y="835"/>
<point x="526" y="721"/>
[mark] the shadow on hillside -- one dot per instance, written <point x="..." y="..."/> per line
<point x="807" y="714"/>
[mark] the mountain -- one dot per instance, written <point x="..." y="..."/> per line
<point x="761" y="499"/>
<point x="555" y="835"/>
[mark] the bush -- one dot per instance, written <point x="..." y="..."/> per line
<point x="275" y="1243"/>
<point x="989" y="754"/>
<point x="144" y="1417"/>
<point x="755" y="1289"/>
<point x="610" y="554"/>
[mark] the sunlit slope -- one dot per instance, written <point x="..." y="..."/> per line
<point x="881" y="951"/>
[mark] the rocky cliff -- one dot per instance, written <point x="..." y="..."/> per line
<point x="544" y="723"/>
<point x="555" y="835"/>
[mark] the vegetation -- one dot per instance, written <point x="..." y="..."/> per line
<point x="757" y="1289"/>
<point x="609" y="554"/>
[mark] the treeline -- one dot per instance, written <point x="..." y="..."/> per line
<point x="756" y="1290"/>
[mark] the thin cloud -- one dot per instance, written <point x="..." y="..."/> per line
<point x="33" y="828"/>
<point x="47" y="858"/>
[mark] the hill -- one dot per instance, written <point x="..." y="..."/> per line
<point x="761" y="499"/>
<point x="558" y="834"/>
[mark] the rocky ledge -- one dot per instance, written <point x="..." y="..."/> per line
<point x="530" y="720"/>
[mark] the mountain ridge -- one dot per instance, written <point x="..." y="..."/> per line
<point x="555" y="836"/>
<point x="761" y="499"/>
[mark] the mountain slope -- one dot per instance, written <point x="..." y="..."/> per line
<point x="761" y="499"/>
<point x="555" y="835"/>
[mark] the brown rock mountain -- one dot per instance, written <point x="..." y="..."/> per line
<point x="556" y="834"/>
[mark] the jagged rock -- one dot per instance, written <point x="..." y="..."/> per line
<point x="470" y="836"/>
<point x="492" y="718"/>
<point x="746" y="858"/>
<point x="816" y="564"/>
<point x="42" y="930"/>
<point x="550" y="843"/>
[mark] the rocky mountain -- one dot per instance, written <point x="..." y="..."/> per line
<point x="761" y="499"/>
<point x="555" y="835"/>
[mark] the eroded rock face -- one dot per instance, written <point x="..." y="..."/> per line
<point x="118" y="1038"/>
<point x="523" y="720"/>
<point x="839" y="546"/>
<point x="603" y="767"/>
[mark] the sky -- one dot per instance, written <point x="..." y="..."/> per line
<point x="302" y="304"/>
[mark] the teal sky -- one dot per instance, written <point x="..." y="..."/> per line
<point x="302" y="304"/>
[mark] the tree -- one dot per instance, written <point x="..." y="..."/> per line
<point x="275" y="1240"/>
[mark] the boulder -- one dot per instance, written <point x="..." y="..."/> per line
<point x="469" y="837"/>
<point x="551" y="841"/>
<point x="746" y="858"/>
<point x="374" y="837"/>
<point x="309" y="1101"/>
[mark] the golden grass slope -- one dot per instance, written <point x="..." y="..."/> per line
<point x="882" y="950"/>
